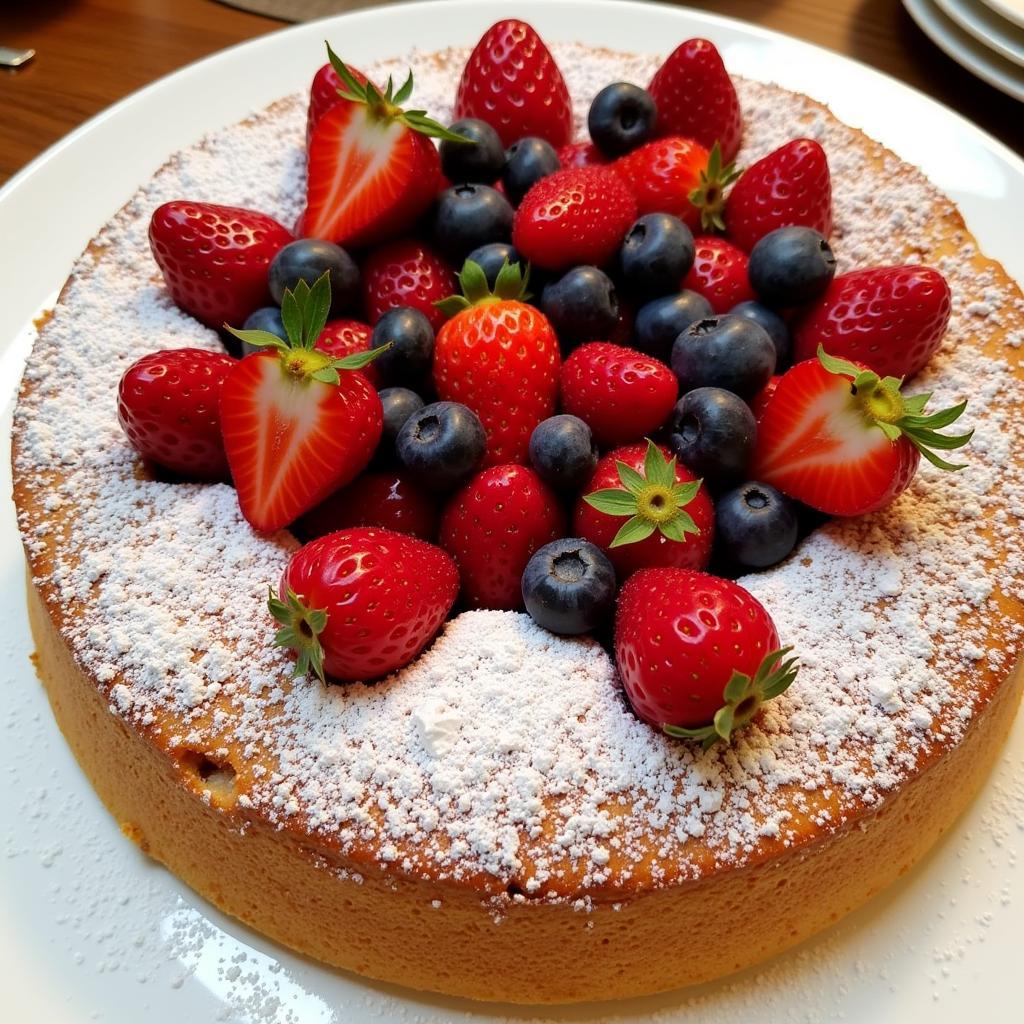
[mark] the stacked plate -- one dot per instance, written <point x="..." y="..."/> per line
<point x="985" y="36"/>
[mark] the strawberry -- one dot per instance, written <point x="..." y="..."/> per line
<point x="696" y="97"/>
<point x="891" y="318"/>
<point x="295" y="430"/>
<point x="576" y="215"/>
<point x="697" y="655"/>
<point x="512" y="82"/>
<point x="492" y="527"/>
<point x="406" y="274"/>
<point x="621" y="394"/>
<point x="386" y="499"/>
<point x="360" y="603"/>
<point x="498" y="356"/>
<point x="342" y="338"/>
<point x="168" y="405"/>
<point x="719" y="273"/>
<point x="372" y="168"/>
<point x="580" y="154"/>
<point x="215" y="258"/>
<point x="844" y="441"/>
<point x="678" y="176"/>
<point x="759" y="402"/>
<point x="324" y="93"/>
<point x="791" y="185"/>
<point x="646" y="510"/>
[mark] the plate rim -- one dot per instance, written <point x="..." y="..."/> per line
<point x="979" y="21"/>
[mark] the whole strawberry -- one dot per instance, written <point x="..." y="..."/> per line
<point x="580" y="154"/>
<point x="324" y="93"/>
<point x="696" y="97"/>
<point x="645" y="509"/>
<point x="893" y="319"/>
<point x="169" y="406"/>
<point x="295" y="428"/>
<point x="576" y="215"/>
<point x="214" y="259"/>
<point x="409" y="274"/>
<point x="697" y="655"/>
<point x="492" y="527"/>
<point x="621" y="394"/>
<point x="719" y="273"/>
<point x="343" y="338"/>
<point x="360" y="603"/>
<point x="498" y="356"/>
<point x="512" y="82"/>
<point x="839" y="438"/>
<point x="791" y="185"/>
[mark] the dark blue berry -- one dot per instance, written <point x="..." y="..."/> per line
<point x="397" y="405"/>
<point x="442" y="445"/>
<point x="306" y="260"/>
<point x="656" y="255"/>
<point x="478" y="161"/>
<point x="468" y="216"/>
<point x="581" y="305"/>
<point x="622" y="117"/>
<point x="658" y="323"/>
<point x="791" y="266"/>
<point x="713" y="432"/>
<point x="563" y="452"/>
<point x="526" y="162"/>
<point x="729" y="352"/>
<point x="490" y="258"/>
<point x="569" y="586"/>
<point x="266" y="318"/>
<point x="411" y="338"/>
<point x="755" y="526"/>
<point x="773" y="324"/>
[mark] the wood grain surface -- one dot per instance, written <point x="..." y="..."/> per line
<point x="91" y="53"/>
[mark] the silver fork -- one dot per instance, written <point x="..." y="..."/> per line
<point x="14" y="58"/>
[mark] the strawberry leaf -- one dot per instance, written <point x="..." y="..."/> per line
<point x="357" y="360"/>
<point x="405" y="92"/>
<point x="632" y="531"/>
<point x="291" y="317"/>
<point x="679" y="526"/>
<point x="261" y="339"/>
<point x="327" y="375"/>
<point x="631" y="479"/>
<point x="612" y="501"/>
<point x="301" y="629"/>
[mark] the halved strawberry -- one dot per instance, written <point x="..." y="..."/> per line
<point x="839" y="438"/>
<point x="295" y="429"/>
<point x="324" y="93"/>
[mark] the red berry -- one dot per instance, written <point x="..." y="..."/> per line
<point x="215" y="259"/>
<point x="406" y="274"/>
<point x="341" y="338"/>
<point x="323" y="94"/>
<point x="621" y="394"/>
<point x="493" y="526"/>
<point x="169" y="406"/>
<point x="662" y="176"/>
<point x="580" y="154"/>
<point x="719" y="273"/>
<point x="760" y="401"/>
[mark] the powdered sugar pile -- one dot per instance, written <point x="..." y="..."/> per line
<point x="504" y="751"/>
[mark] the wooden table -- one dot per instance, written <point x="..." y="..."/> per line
<point x="93" y="52"/>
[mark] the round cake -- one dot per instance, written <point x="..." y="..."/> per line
<point x="493" y="821"/>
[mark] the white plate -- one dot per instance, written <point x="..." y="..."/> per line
<point x="967" y="51"/>
<point x="989" y="28"/>
<point x="90" y="929"/>
<point x="1012" y="10"/>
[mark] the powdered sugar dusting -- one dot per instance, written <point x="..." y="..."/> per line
<point x="505" y="754"/>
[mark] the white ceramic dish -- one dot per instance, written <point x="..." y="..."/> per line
<point x="965" y="49"/>
<point x="89" y="929"/>
<point x="1012" y="10"/>
<point x="989" y="28"/>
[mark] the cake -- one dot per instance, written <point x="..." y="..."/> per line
<point x="493" y="821"/>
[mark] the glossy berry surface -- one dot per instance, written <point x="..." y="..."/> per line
<point x="773" y="324"/>
<point x="397" y="405"/>
<point x="581" y="305"/>
<point x="441" y="445"/>
<point x="659" y="322"/>
<point x="478" y="161"/>
<point x="563" y="452"/>
<point x="492" y="257"/>
<point x="569" y="586"/>
<point x="791" y="266"/>
<point x="719" y="273"/>
<point x="656" y="255"/>
<point x="714" y="434"/>
<point x="621" y="117"/>
<point x="309" y="258"/>
<point x="406" y="273"/>
<point x="467" y="216"/>
<point x="756" y="526"/>
<point x="526" y="162"/>
<point x="727" y="352"/>
<point x="341" y="338"/>
<point x="411" y="339"/>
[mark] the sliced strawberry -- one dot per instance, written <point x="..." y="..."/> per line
<point x="324" y="93"/>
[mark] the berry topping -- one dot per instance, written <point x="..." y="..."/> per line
<point x="266" y="318"/>
<point x="756" y="526"/>
<point x="729" y="352"/>
<point x="408" y="339"/>
<point x="581" y="305"/>
<point x="621" y="117"/>
<point x="569" y="586"/>
<point x="656" y="255"/>
<point x="397" y="405"/>
<point x="791" y="266"/>
<point x="406" y="274"/>
<point x="659" y="322"/>
<point x="563" y="452"/>
<point x="526" y="162"/>
<point x="307" y="260"/>
<point x="713" y="433"/>
<point x="490" y="259"/>
<point x="441" y="445"/>
<point x="468" y="216"/>
<point x="773" y="324"/>
<point x="719" y="273"/>
<point x="480" y="161"/>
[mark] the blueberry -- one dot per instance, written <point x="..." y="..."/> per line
<point x="397" y="404"/>
<point x="581" y="305"/>
<point x="713" y="432"/>
<point x="791" y="266"/>
<point x="491" y="257"/>
<point x="621" y="118"/>
<point x="266" y="318"/>
<point x="480" y="160"/>
<point x="411" y="337"/>
<point x="656" y="255"/>
<point x="773" y="324"/>
<point x="442" y="445"/>
<point x="526" y="162"/>
<point x="658" y="323"/>
<point x="569" y="586"/>
<point x="755" y="526"/>
<point x="563" y="452"/>
<point x="306" y="260"/>
<point x="468" y="216"/>
<point x="729" y="352"/>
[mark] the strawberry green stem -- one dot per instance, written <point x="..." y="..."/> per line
<point x="709" y="195"/>
<point x="509" y="286"/>
<point x="301" y="629"/>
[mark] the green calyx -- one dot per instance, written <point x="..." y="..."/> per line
<point x="300" y="630"/>
<point x="709" y="195"/>
<point x="886" y="407"/>
<point x="652" y="500"/>
<point x="304" y="313"/>
<point x="743" y="696"/>
<point x="509" y="286"/>
<point x="387" y="106"/>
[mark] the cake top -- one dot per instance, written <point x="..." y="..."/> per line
<point x="506" y="753"/>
